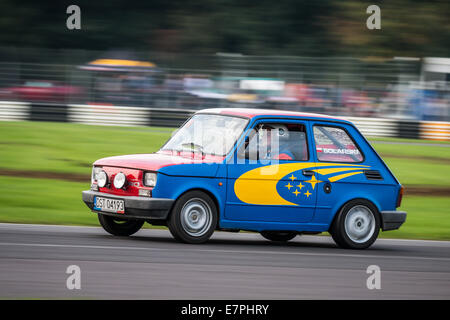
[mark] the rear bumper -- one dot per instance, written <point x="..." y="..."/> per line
<point x="135" y="207"/>
<point x="392" y="220"/>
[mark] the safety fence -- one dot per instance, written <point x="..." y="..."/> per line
<point x="136" y="116"/>
<point x="341" y="86"/>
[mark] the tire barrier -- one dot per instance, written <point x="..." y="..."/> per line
<point x="435" y="130"/>
<point x="169" y="117"/>
<point x="109" y="115"/>
<point x="127" y="116"/>
<point x="14" y="111"/>
<point x="375" y="127"/>
<point x="48" y="112"/>
<point x="139" y="116"/>
<point x="408" y="129"/>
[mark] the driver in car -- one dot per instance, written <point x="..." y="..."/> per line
<point x="283" y="152"/>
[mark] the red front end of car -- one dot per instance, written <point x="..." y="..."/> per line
<point x="134" y="182"/>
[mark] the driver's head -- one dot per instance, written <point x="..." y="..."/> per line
<point x="279" y="130"/>
<point x="269" y="132"/>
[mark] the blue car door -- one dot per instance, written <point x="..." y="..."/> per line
<point x="270" y="177"/>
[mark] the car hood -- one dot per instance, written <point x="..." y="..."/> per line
<point x="155" y="161"/>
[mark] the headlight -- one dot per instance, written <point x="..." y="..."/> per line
<point x="95" y="172"/>
<point x="119" y="180"/>
<point x="102" y="179"/>
<point x="150" y="179"/>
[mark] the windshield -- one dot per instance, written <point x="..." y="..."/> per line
<point x="208" y="134"/>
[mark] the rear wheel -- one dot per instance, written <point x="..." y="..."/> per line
<point x="193" y="218"/>
<point x="119" y="227"/>
<point x="279" y="235"/>
<point x="357" y="225"/>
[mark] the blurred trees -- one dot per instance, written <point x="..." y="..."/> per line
<point x="408" y="28"/>
<point x="288" y="27"/>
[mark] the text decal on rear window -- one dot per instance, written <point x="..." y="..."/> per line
<point x="334" y="144"/>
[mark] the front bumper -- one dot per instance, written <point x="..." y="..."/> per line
<point x="392" y="220"/>
<point x="135" y="207"/>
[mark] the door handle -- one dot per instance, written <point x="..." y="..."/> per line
<point x="308" y="173"/>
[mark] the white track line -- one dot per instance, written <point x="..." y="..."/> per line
<point x="225" y="251"/>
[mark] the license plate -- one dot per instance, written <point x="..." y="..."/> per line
<point x="109" y="205"/>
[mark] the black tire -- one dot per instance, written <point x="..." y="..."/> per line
<point x="119" y="227"/>
<point x="344" y="229"/>
<point x="280" y="236"/>
<point x="193" y="218"/>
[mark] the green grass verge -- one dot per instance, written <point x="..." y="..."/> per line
<point x="72" y="148"/>
<point x="432" y="152"/>
<point x="417" y="165"/>
<point x="67" y="147"/>
<point x="46" y="201"/>
<point x="412" y="172"/>
<point x="428" y="218"/>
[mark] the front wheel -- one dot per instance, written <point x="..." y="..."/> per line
<point x="193" y="218"/>
<point x="119" y="227"/>
<point x="357" y="225"/>
<point x="281" y="236"/>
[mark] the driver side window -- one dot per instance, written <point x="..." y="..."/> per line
<point x="276" y="141"/>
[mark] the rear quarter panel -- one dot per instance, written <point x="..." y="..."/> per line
<point x="382" y="193"/>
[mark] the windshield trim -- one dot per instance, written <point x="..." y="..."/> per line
<point x="213" y="114"/>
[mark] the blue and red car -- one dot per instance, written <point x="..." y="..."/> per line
<point x="279" y="173"/>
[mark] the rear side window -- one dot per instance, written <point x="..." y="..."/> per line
<point x="334" y="144"/>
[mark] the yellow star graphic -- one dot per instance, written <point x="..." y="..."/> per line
<point x="313" y="181"/>
<point x="300" y="186"/>
<point x="289" y="186"/>
<point x="296" y="192"/>
<point x="292" y="177"/>
<point x="307" y="193"/>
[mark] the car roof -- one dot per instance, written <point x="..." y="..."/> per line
<point x="252" y="113"/>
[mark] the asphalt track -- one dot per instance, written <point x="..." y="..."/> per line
<point x="151" y="265"/>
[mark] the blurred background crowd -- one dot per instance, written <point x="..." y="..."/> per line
<point x="297" y="55"/>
